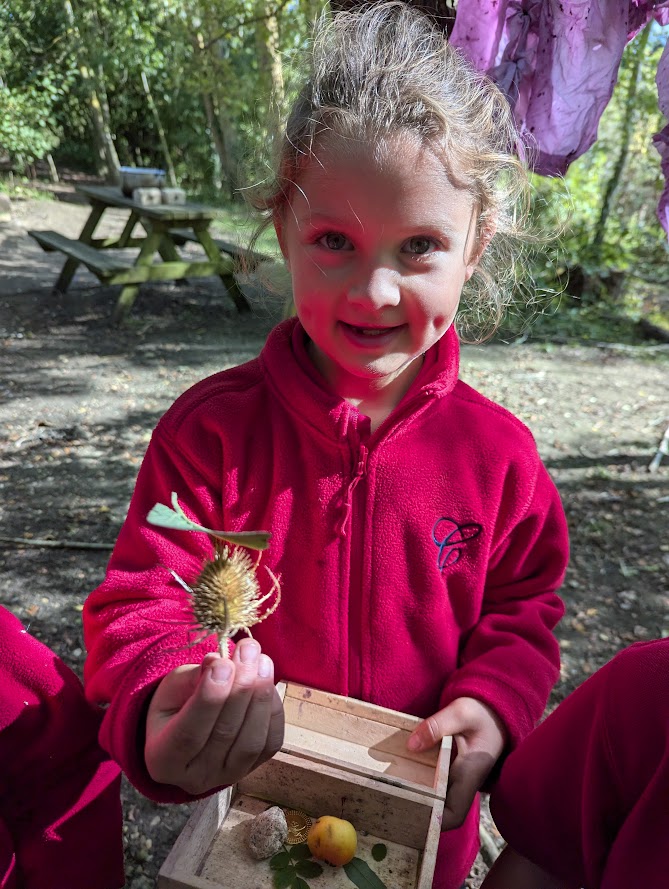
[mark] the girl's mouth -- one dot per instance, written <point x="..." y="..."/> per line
<point x="368" y="335"/>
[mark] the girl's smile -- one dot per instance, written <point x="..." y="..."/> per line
<point x="379" y="243"/>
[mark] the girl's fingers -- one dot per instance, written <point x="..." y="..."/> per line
<point x="231" y="718"/>
<point x="178" y="726"/>
<point x="232" y="721"/>
<point x="261" y="734"/>
<point x="467" y="774"/>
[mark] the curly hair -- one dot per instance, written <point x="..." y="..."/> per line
<point x="385" y="69"/>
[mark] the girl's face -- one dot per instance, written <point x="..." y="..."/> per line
<point x="379" y="244"/>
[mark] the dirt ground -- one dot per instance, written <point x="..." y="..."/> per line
<point x="79" y="398"/>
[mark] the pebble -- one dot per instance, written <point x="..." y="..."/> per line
<point x="267" y="833"/>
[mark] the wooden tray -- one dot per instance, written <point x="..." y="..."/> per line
<point x="340" y="757"/>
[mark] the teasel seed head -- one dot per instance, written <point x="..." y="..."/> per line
<point x="226" y="596"/>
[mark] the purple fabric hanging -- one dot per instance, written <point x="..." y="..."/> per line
<point x="557" y="62"/>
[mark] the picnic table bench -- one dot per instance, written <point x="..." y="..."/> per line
<point x="167" y="227"/>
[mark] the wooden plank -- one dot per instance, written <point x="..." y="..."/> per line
<point x="251" y="258"/>
<point x="391" y="813"/>
<point x="187" y="856"/>
<point x="114" y="197"/>
<point x="364" y="737"/>
<point x="101" y="262"/>
<point x="407" y="774"/>
<point x="353" y="705"/>
<point x="429" y="857"/>
<point x="440" y="784"/>
<point x="166" y="271"/>
<point x="365" y="732"/>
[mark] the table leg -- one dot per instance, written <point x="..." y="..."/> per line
<point x="228" y="279"/>
<point x="169" y="253"/>
<point x="129" y="293"/>
<point x="126" y="234"/>
<point x="86" y="236"/>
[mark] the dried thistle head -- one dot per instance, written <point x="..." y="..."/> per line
<point x="226" y="596"/>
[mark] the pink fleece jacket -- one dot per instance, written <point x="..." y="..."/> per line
<point x="60" y="808"/>
<point x="418" y="563"/>
<point x="586" y="796"/>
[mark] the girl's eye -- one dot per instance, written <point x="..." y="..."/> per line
<point x="335" y="241"/>
<point x="419" y="245"/>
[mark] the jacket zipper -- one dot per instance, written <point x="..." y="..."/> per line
<point x="355" y="590"/>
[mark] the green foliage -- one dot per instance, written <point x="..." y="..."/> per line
<point x="25" y="133"/>
<point x="291" y="865"/>
<point x="205" y="62"/>
<point x="361" y="874"/>
<point x="30" y="86"/>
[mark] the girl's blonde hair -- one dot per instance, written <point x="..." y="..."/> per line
<point x="385" y="69"/>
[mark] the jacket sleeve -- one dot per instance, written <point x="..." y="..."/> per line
<point x="60" y="806"/>
<point x="585" y="795"/>
<point x="138" y="623"/>
<point x="510" y="660"/>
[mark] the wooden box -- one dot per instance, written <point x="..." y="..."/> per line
<point x="340" y="757"/>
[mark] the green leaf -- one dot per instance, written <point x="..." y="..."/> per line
<point x="176" y="518"/>
<point x="360" y="873"/>
<point x="379" y="851"/>
<point x="280" y="860"/>
<point x="308" y="869"/>
<point x="299" y="852"/>
<point x="299" y="883"/>
<point x="284" y="878"/>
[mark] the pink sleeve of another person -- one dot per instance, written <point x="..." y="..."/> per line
<point x="60" y="806"/>
<point x="586" y="795"/>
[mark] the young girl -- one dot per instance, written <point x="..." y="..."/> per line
<point x="417" y="537"/>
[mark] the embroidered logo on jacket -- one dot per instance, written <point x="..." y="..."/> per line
<point x="450" y="538"/>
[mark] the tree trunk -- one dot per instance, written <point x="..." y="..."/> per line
<point x="171" y="175"/>
<point x="638" y="47"/>
<point x="107" y="161"/>
<point x="269" y="60"/>
<point x="217" y="128"/>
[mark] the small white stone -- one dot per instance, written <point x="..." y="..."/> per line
<point x="267" y="833"/>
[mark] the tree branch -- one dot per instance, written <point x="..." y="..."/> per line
<point x="244" y="24"/>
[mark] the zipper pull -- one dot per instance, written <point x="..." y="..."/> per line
<point x="360" y="470"/>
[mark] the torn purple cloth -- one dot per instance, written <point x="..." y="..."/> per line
<point x="557" y="62"/>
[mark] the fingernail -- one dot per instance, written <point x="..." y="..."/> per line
<point x="414" y="742"/>
<point x="221" y="671"/>
<point x="264" y="666"/>
<point x="249" y="652"/>
<point x="209" y="659"/>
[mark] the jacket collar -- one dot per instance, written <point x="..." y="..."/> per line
<point x="306" y="394"/>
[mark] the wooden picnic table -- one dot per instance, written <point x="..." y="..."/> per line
<point x="167" y="226"/>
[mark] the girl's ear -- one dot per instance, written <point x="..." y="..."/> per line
<point x="486" y="233"/>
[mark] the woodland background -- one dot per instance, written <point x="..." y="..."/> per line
<point x="196" y="87"/>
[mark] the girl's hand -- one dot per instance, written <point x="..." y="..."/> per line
<point x="479" y="736"/>
<point x="212" y="724"/>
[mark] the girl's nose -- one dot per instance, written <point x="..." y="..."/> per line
<point x="376" y="287"/>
